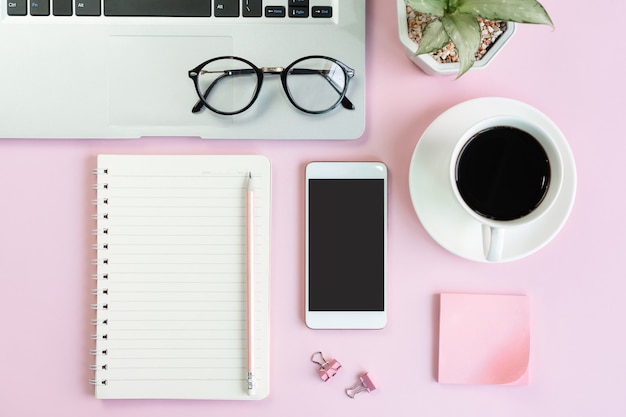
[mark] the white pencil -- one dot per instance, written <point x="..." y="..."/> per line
<point x="250" y="278"/>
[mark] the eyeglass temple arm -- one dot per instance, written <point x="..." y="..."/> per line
<point x="228" y="73"/>
<point x="345" y="101"/>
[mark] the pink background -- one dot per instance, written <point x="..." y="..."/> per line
<point x="576" y="284"/>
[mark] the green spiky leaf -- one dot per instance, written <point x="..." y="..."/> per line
<point x="464" y="31"/>
<point x="430" y="7"/>
<point x="434" y="37"/>
<point x="522" y="11"/>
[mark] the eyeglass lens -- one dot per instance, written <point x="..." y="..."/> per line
<point x="229" y="85"/>
<point x="316" y="84"/>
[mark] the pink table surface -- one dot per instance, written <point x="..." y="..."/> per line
<point x="576" y="284"/>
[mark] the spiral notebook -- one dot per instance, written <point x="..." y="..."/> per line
<point x="171" y="297"/>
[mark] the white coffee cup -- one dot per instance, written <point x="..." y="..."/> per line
<point x="468" y="151"/>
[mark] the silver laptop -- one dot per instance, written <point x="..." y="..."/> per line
<point x="123" y="68"/>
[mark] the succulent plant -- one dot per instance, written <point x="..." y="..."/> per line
<point x="457" y="21"/>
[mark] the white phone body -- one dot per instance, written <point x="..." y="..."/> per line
<point x="346" y="245"/>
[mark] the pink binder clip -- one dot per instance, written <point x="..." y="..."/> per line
<point x="327" y="369"/>
<point x="365" y="384"/>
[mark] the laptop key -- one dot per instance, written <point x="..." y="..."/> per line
<point x="275" y="11"/>
<point x="62" y="7"/>
<point x="175" y="8"/>
<point x="252" y="8"/>
<point x="88" y="8"/>
<point x="322" y="11"/>
<point x="16" y="7"/>
<point x="39" y="7"/>
<point x="298" y="11"/>
<point x="226" y="8"/>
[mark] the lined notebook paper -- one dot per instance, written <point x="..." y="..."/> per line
<point x="171" y="310"/>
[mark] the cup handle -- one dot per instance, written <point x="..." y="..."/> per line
<point x="493" y="242"/>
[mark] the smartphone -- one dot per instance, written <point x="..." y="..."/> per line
<point x="346" y="245"/>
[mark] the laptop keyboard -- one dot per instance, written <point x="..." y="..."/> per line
<point x="169" y="8"/>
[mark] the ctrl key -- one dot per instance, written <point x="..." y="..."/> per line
<point x="16" y="7"/>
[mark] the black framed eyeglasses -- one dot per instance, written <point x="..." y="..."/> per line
<point x="229" y="85"/>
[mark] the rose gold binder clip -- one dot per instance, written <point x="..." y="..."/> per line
<point x="327" y="369"/>
<point x="365" y="385"/>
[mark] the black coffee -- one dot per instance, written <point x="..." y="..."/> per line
<point x="502" y="173"/>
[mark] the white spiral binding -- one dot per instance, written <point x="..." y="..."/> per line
<point x="98" y="277"/>
<point x="97" y="352"/>
<point x="98" y="381"/>
<point x="100" y="336"/>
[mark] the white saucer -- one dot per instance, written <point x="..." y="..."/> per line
<point x="434" y="202"/>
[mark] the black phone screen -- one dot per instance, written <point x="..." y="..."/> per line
<point x="346" y="244"/>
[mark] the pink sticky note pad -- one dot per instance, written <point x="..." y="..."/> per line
<point x="484" y="339"/>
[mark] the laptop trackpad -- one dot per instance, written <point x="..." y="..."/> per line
<point x="148" y="82"/>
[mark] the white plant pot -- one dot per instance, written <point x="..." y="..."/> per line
<point x="433" y="67"/>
